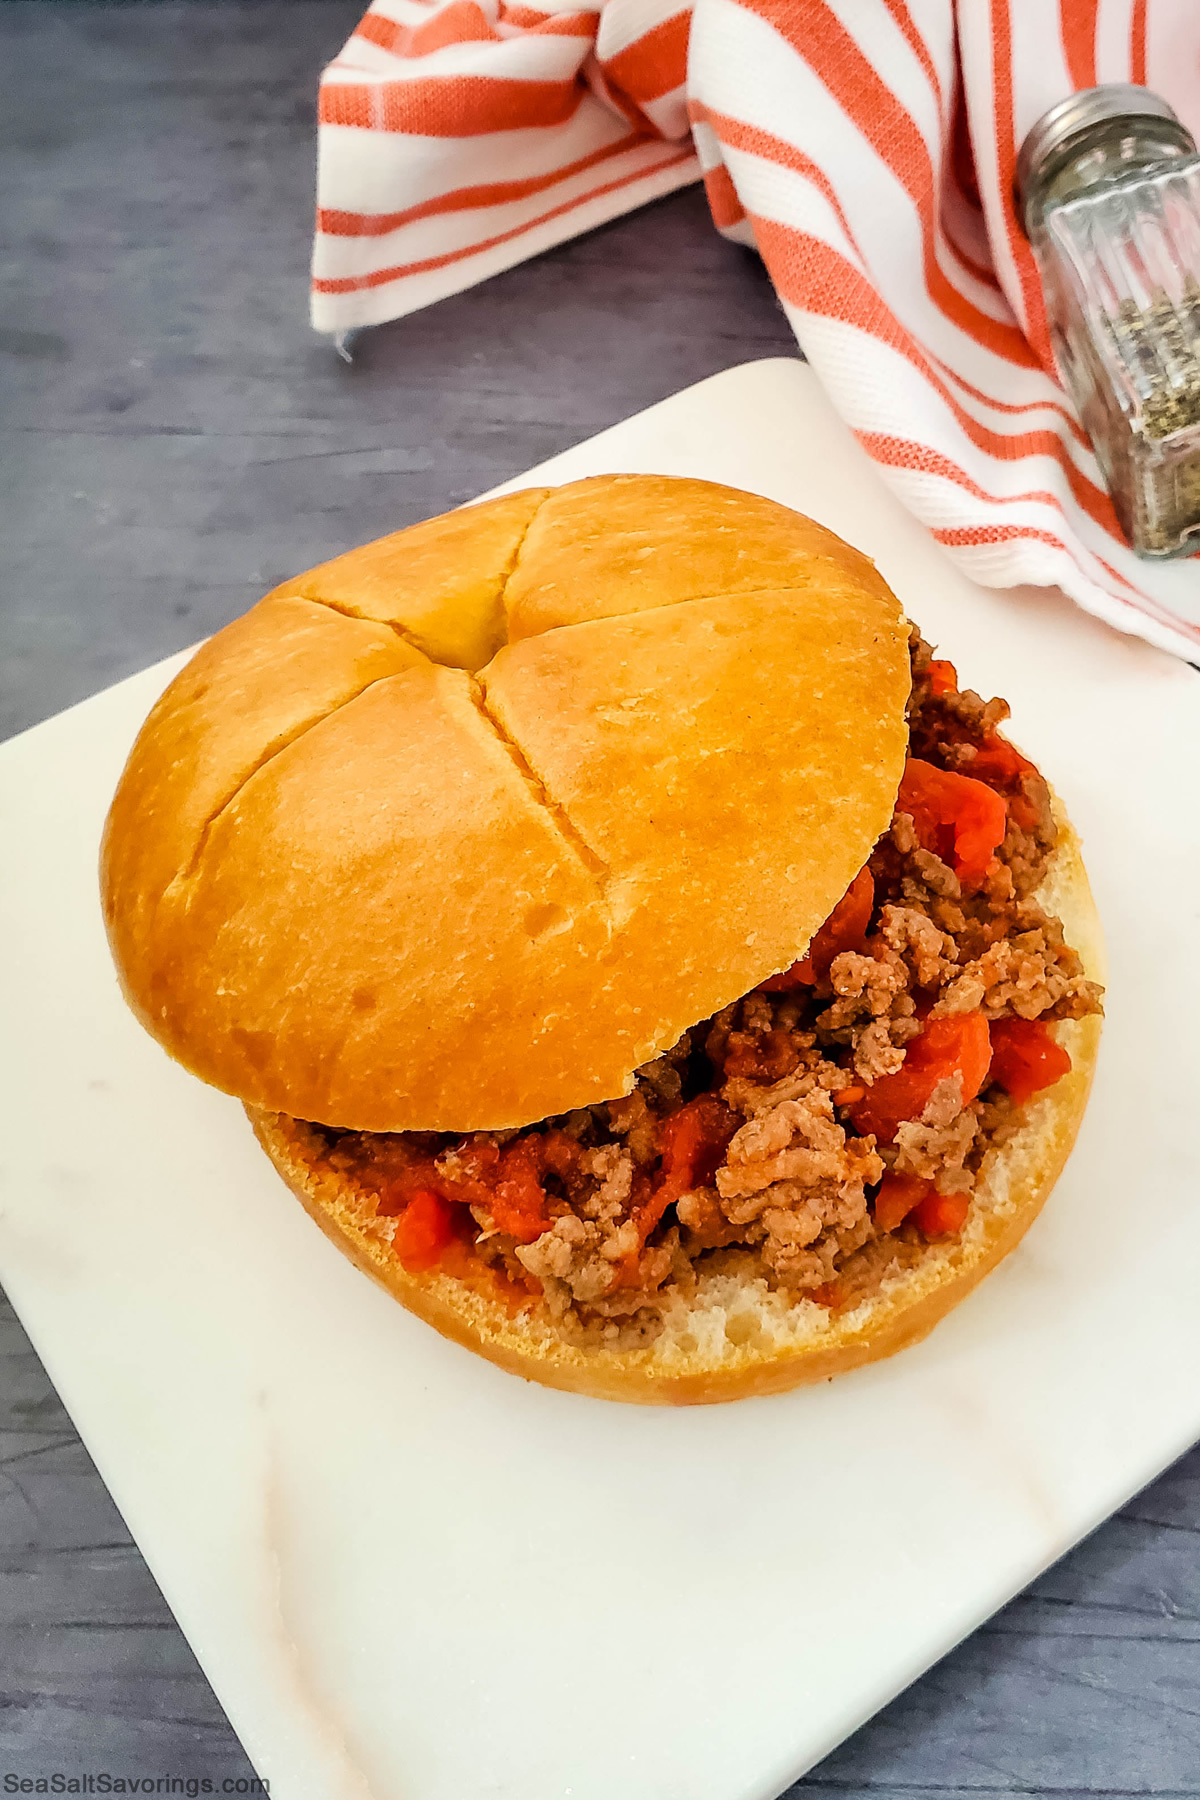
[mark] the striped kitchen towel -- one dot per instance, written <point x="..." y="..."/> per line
<point x="866" y="148"/>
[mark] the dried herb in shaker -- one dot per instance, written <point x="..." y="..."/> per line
<point x="1109" y="185"/>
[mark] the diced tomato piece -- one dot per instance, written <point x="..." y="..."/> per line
<point x="897" y="1196"/>
<point x="1000" y="764"/>
<point x="844" y="929"/>
<point x="420" y="1176"/>
<point x="480" y="1165"/>
<point x="517" y="1198"/>
<point x="1026" y="1058"/>
<point x="424" y="1230"/>
<point x="558" y="1152"/>
<point x="517" y="1201"/>
<point x="941" y="1215"/>
<point x="961" y="820"/>
<point x="694" y="1141"/>
<point x="946" y="1047"/>
<point x="795" y="975"/>
<point x="509" y="1183"/>
<point x="1006" y="769"/>
<point x="943" y="677"/>
<point x="798" y="974"/>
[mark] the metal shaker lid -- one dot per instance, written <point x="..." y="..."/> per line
<point x="1091" y="106"/>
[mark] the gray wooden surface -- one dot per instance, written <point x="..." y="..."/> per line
<point x="176" y="442"/>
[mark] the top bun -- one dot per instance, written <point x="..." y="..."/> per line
<point x="457" y="830"/>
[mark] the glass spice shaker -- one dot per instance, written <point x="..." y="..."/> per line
<point x="1109" y="187"/>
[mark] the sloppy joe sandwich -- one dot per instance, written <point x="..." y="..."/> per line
<point x="627" y="939"/>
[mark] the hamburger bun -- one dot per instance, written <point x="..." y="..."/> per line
<point x="737" y="1336"/>
<point x="458" y="830"/>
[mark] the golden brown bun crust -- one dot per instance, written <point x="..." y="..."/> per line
<point x="738" y="1338"/>
<point x="371" y="864"/>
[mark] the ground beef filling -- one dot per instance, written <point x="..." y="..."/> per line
<point x="827" y="1125"/>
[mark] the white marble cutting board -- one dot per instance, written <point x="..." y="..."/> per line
<point x="410" y="1576"/>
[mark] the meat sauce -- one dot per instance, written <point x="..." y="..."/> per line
<point x="836" y="1114"/>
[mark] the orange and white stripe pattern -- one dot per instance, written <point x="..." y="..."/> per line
<point x="460" y="138"/>
<point x="866" y="147"/>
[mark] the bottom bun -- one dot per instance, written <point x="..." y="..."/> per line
<point x="736" y="1335"/>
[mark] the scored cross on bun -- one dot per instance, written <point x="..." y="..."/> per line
<point x="567" y="893"/>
